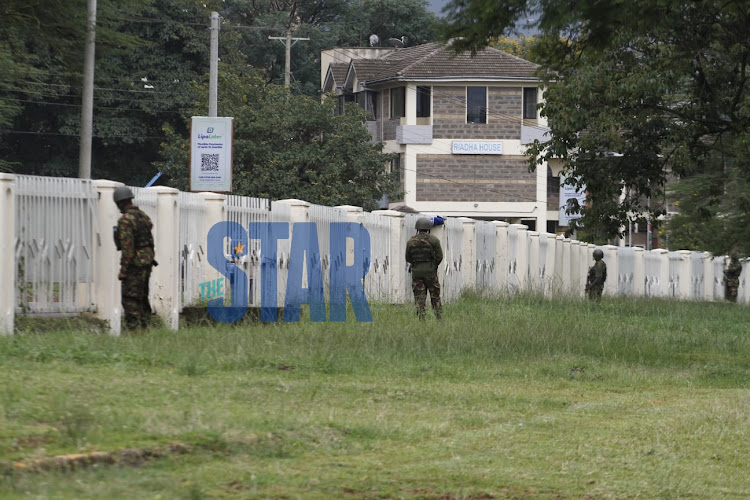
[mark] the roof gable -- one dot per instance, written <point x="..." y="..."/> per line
<point x="436" y="61"/>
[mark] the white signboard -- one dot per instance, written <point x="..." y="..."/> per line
<point x="568" y="192"/>
<point x="477" y="147"/>
<point x="211" y="154"/>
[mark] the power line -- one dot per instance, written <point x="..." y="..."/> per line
<point x="62" y="134"/>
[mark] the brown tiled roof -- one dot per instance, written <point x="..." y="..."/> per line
<point x="435" y="61"/>
<point x="339" y="70"/>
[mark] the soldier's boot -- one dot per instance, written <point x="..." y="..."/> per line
<point x="421" y="315"/>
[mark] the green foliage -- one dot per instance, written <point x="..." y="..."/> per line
<point x="293" y="146"/>
<point x="337" y="23"/>
<point x="637" y="91"/>
<point x="521" y="46"/>
<point x="714" y="207"/>
<point x="151" y="74"/>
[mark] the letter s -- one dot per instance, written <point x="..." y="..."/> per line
<point x="236" y="276"/>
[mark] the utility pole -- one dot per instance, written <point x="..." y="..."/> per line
<point x="213" y="68"/>
<point x="87" y="97"/>
<point x="289" y="41"/>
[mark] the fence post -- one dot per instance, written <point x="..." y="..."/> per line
<point x="165" y="278"/>
<point x="663" y="271"/>
<point x="396" y="267"/>
<point x="216" y="211"/>
<point x="7" y="253"/>
<point x="549" y="265"/>
<point x="501" y="256"/>
<point x="743" y="291"/>
<point x="299" y="211"/>
<point x="611" y="287"/>
<point x="522" y="256"/>
<point x="469" y="254"/>
<point x="535" y="281"/>
<point x="639" y="272"/>
<point x="578" y="266"/>
<point x="106" y="261"/>
<point x="565" y="274"/>
<point x="686" y="275"/>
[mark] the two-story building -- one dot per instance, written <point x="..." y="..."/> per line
<point x="459" y="124"/>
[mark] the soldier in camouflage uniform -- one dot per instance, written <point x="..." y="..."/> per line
<point x="596" y="277"/>
<point x="133" y="237"/>
<point x="732" y="279"/>
<point x="424" y="253"/>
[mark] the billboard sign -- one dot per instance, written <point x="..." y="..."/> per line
<point x="211" y="154"/>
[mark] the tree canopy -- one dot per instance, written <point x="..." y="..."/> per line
<point x="293" y="146"/>
<point x="637" y="92"/>
<point x="152" y="75"/>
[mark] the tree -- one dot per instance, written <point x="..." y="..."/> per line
<point x="714" y="207"/>
<point x="336" y="23"/>
<point x="155" y="40"/>
<point x="292" y="146"/>
<point x="636" y="90"/>
<point x="518" y="46"/>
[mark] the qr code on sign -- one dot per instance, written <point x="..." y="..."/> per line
<point x="209" y="163"/>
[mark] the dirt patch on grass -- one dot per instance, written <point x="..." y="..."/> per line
<point x="131" y="457"/>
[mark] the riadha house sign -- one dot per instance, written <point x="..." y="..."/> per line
<point x="477" y="148"/>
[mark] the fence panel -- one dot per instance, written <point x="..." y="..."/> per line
<point x="674" y="275"/>
<point x="719" y="264"/>
<point x="486" y="244"/>
<point x="322" y="217"/>
<point x="452" y="282"/>
<point x="513" y="280"/>
<point x="54" y="244"/>
<point x="742" y="293"/>
<point x="653" y="287"/>
<point x="280" y="212"/>
<point x="244" y="210"/>
<point x="546" y="257"/>
<point x="192" y="246"/>
<point x="626" y="270"/>
<point x="377" y="281"/>
<point x="697" y="276"/>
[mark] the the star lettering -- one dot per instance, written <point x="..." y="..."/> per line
<point x="239" y="249"/>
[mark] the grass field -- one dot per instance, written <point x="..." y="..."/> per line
<point x="505" y="398"/>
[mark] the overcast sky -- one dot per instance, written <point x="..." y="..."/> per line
<point x="437" y="5"/>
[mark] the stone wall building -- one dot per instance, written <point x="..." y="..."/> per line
<point x="459" y="124"/>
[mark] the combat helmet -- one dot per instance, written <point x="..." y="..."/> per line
<point x="598" y="254"/>
<point x="423" y="223"/>
<point x="122" y="193"/>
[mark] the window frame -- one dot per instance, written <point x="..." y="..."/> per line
<point x="401" y="93"/>
<point x="481" y="112"/>
<point x="424" y="99"/>
<point x="527" y="115"/>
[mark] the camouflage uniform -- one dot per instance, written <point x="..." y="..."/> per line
<point x="424" y="253"/>
<point x="136" y="242"/>
<point x="732" y="279"/>
<point x="595" y="280"/>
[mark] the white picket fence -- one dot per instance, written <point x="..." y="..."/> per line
<point x="62" y="258"/>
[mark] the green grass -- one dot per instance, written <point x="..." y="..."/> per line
<point x="505" y="398"/>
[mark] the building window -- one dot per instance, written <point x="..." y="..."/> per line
<point x="396" y="166"/>
<point x="423" y="101"/>
<point x="476" y="104"/>
<point x="529" y="103"/>
<point x="553" y="183"/>
<point x="398" y="102"/>
<point x="368" y="100"/>
<point x="342" y="100"/>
